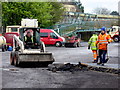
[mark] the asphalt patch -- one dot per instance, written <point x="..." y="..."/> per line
<point x="80" y="67"/>
<point x="67" y="67"/>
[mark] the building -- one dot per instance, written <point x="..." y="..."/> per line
<point x="73" y="5"/>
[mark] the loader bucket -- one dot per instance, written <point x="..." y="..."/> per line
<point x="36" y="57"/>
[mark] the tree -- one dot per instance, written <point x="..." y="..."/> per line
<point x="114" y="13"/>
<point x="47" y="13"/>
<point x="101" y="10"/>
<point x="57" y="12"/>
<point x="0" y="14"/>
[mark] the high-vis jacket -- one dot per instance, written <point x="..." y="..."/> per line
<point x="29" y="39"/>
<point x="103" y="41"/>
<point x="92" y="42"/>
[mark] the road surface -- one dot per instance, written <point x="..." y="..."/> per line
<point x="40" y="77"/>
<point x="82" y="54"/>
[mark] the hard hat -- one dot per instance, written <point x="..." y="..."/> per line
<point x="103" y="29"/>
<point x="10" y="48"/>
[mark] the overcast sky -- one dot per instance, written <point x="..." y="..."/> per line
<point x="90" y="5"/>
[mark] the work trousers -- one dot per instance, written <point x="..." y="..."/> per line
<point x="102" y="55"/>
<point x="95" y="54"/>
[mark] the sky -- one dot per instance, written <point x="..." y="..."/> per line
<point x="90" y="5"/>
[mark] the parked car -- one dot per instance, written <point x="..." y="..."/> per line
<point x="114" y="33"/>
<point x="72" y="41"/>
<point x="50" y="37"/>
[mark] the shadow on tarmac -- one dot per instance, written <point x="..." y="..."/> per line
<point x="32" y="65"/>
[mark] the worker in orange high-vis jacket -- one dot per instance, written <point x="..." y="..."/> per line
<point x="102" y="43"/>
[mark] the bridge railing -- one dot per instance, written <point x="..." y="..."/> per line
<point x="83" y="21"/>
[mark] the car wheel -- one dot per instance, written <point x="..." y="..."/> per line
<point x="58" y="44"/>
<point x="116" y="39"/>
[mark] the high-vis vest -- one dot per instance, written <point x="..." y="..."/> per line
<point x="92" y="42"/>
<point x="31" y="39"/>
<point x="103" y="41"/>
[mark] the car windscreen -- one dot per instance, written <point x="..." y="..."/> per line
<point x="14" y="29"/>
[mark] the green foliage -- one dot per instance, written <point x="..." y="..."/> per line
<point x="47" y="13"/>
<point x="0" y="14"/>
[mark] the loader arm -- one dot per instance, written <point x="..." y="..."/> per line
<point x="17" y="43"/>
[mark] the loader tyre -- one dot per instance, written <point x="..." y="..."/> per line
<point x="75" y="45"/>
<point x="78" y="44"/>
<point x="58" y="44"/>
<point x="12" y="58"/>
<point x="16" y="57"/>
<point x="3" y="48"/>
<point x="42" y="47"/>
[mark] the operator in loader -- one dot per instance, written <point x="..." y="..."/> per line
<point x="29" y="41"/>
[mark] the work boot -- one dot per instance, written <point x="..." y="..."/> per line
<point x="106" y="60"/>
<point x="95" y="61"/>
<point x="99" y="63"/>
<point x="102" y="64"/>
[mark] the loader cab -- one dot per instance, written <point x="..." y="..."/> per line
<point x="35" y="34"/>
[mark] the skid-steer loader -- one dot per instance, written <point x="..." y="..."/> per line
<point x="35" y="53"/>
